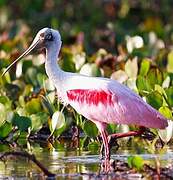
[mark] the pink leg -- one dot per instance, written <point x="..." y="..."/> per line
<point x="106" y="163"/>
<point x="102" y="126"/>
<point x="104" y="136"/>
<point x="130" y="133"/>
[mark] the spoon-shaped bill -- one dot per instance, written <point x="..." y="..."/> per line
<point x="31" y="47"/>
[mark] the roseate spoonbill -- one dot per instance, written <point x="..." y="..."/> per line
<point x="100" y="100"/>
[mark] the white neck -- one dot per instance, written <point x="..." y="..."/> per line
<point x="55" y="74"/>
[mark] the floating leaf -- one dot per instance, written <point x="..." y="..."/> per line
<point x="90" y="129"/>
<point x="155" y="99"/>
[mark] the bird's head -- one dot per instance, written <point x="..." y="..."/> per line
<point x="44" y="39"/>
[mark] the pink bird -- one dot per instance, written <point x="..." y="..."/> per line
<point x="101" y="100"/>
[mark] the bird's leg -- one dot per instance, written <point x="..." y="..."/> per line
<point x="106" y="163"/>
<point x="104" y="136"/>
<point x="113" y="137"/>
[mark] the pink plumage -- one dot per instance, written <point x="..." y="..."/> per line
<point x="110" y="102"/>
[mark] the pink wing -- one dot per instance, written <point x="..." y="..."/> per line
<point x="115" y="107"/>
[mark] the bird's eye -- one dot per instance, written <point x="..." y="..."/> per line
<point x="49" y="37"/>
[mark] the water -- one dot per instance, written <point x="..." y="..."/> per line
<point x="70" y="163"/>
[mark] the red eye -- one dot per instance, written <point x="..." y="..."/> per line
<point x="42" y="34"/>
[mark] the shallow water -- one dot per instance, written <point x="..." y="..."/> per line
<point x="72" y="163"/>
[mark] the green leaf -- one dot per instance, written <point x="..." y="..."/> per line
<point x="153" y="77"/>
<point x="67" y="64"/>
<point x="90" y="129"/>
<point x="170" y="62"/>
<point x="2" y="113"/>
<point x="169" y="93"/>
<point x="111" y="128"/>
<point x="41" y="78"/>
<point x="142" y="85"/>
<point x="165" y="111"/>
<point x="5" y="129"/>
<point x="155" y="99"/>
<point x="33" y="106"/>
<point x="22" y="122"/>
<point x="31" y="75"/>
<point x="93" y="147"/>
<point x="5" y="100"/>
<point x="28" y="89"/>
<point x="135" y="162"/>
<point x="145" y="66"/>
<point x="37" y="120"/>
